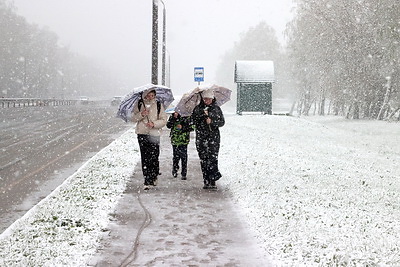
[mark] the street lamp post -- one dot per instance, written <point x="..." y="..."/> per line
<point x="154" y="56"/>
<point x="154" y="65"/>
<point x="163" y="44"/>
<point x="169" y="71"/>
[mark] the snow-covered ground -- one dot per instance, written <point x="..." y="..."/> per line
<point x="64" y="228"/>
<point x="318" y="191"/>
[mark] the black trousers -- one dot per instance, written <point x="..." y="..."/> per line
<point x="149" y="152"/>
<point x="208" y="150"/>
<point x="179" y="154"/>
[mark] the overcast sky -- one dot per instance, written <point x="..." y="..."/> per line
<point x="118" y="32"/>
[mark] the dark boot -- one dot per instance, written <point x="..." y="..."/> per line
<point x="213" y="185"/>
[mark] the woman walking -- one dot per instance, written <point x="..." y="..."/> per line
<point x="207" y="118"/>
<point x="150" y="117"/>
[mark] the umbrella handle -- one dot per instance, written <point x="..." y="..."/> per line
<point x="206" y="112"/>
<point x="145" y="110"/>
<point x="209" y="126"/>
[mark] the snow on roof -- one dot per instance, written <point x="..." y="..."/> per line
<point x="254" y="71"/>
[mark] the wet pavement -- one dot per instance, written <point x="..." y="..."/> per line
<point x="177" y="223"/>
<point x="42" y="146"/>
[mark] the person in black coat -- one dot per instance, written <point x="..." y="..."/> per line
<point x="207" y="118"/>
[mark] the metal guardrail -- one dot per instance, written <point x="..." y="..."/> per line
<point x="34" y="102"/>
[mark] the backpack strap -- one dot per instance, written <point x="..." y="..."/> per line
<point x="158" y="109"/>
<point x="140" y="103"/>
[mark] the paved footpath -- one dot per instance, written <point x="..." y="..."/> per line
<point x="177" y="223"/>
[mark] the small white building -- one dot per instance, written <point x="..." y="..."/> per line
<point x="254" y="80"/>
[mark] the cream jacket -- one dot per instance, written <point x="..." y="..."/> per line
<point x="159" y="120"/>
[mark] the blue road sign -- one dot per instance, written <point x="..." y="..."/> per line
<point x="199" y="74"/>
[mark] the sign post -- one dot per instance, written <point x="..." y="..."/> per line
<point x="199" y="74"/>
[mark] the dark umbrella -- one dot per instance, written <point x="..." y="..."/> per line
<point x="163" y="94"/>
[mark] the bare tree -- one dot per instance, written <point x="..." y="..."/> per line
<point x="32" y="64"/>
<point x="347" y="51"/>
<point x="258" y="43"/>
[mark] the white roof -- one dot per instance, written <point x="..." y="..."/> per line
<point x="253" y="71"/>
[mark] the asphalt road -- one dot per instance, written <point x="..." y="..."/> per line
<point x="42" y="146"/>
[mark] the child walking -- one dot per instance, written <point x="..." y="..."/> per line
<point x="180" y="137"/>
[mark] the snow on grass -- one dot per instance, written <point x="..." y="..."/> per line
<point x="318" y="191"/>
<point x="316" y="194"/>
<point x="65" y="227"/>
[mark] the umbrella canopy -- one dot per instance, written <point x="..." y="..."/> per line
<point x="163" y="94"/>
<point x="170" y="110"/>
<point x="190" y="100"/>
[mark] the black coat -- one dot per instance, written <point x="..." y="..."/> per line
<point x="208" y="139"/>
<point x="204" y="130"/>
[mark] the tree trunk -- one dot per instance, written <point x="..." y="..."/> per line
<point x="393" y="113"/>
<point x="329" y="107"/>
<point x="356" y="111"/>
<point x="292" y="108"/>
<point x="300" y="107"/>
<point x="385" y="103"/>
<point x="348" y="112"/>
<point x="315" y="107"/>
<point x="322" y="107"/>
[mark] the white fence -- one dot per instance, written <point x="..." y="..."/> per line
<point x="33" y="102"/>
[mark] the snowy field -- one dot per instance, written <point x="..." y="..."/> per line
<point x="318" y="191"/>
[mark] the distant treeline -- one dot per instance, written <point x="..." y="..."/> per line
<point x="33" y="64"/>
<point x="347" y="52"/>
<point x="341" y="57"/>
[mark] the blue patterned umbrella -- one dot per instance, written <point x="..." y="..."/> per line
<point x="163" y="94"/>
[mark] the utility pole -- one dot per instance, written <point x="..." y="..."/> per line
<point x="24" y="73"/>
<point x="154" y="57"/>
<point x="164" y="45"/>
